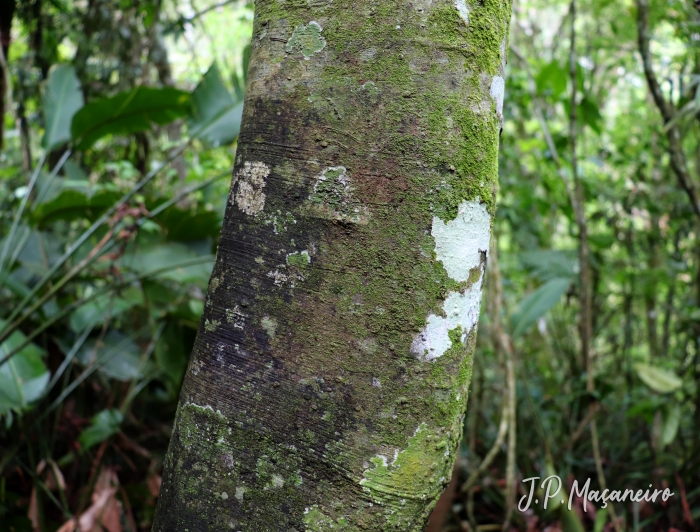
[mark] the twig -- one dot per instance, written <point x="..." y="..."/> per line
<point x="510" y="460"/>
<point x="599" y="470"/>
<point x="667" y="109"/>
<point x="592" y="411"/>
<point x="488" y="459"/>
<point x="504" y="346"/>
<point x="687" y="515"/>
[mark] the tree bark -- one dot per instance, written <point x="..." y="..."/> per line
<point x="329" y="378"/>
<point x="7" y="11"/>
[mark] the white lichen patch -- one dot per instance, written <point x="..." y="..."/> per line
<point x="270" y="326"/>
<point x="248" y="184"/>
<point x="462" y="310"/>
<point x="498" y="90"/>
<point x="504" y="57"/>
<point x="240" y="493"/>
<point x="196" y="366"/>
<point x="459" y="245"/>
<point x="461" y="6"/>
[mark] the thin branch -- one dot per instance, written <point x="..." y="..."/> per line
<point x="667" y="110"/>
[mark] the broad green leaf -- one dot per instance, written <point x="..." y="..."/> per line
<point x="41" y="251"/>
<point x="74" y="172"/>
<point x="74" y="200"/>
<point x="216" y="115"/>
<point x="23" y="378"/>
<point x="601" y="241"/>
<point x="168" y="257"/>
<point x="548" y="264"/>
<point x="644" y="408"/>
<point x="108" y="305"/>
<point x="670" y="420"/>
<point x="590" y="115"/>
<point x="536" y="304"/>
<point x="658" y="379"/>
<point x="552" y="78"/>
<point x="118" y="356"/>
<point x="128" y="112"/>
<point x="62" y="99"/>
<point x="104" y="424"/>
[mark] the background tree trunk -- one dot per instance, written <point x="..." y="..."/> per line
<point x="329" y="378"/>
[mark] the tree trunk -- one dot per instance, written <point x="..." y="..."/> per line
<point x="329" y="378"/>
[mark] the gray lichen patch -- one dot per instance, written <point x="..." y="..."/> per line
<point x="333" y="197"/>
<point x="280" y="221"/>
<point x="306" y="40"/>
<point x="270" y="326"/>
<point x="211" y="325"/>
<point x="371" y="88"/>
<point x="248" y="185"/>
<point x="235" y="317"/>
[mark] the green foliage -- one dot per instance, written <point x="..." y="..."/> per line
<point x="552" y="80"/>
<point x="670" y="421"/>
<point x="658" y="379"/>
<point x="128" y="112"/>
<point x="63" y="98"/>
<point x="23" y="378"/>
<point x="642" y="236"/>
<point x="536" y="304"/>
<point x="217" y="115"/>
<point x="69" y="200"/>
<point x="104" y="425"/>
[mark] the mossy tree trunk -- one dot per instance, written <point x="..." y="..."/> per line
<point x="329" y="378"/>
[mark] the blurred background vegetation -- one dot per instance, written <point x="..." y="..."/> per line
<point x="118" y="139"/>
